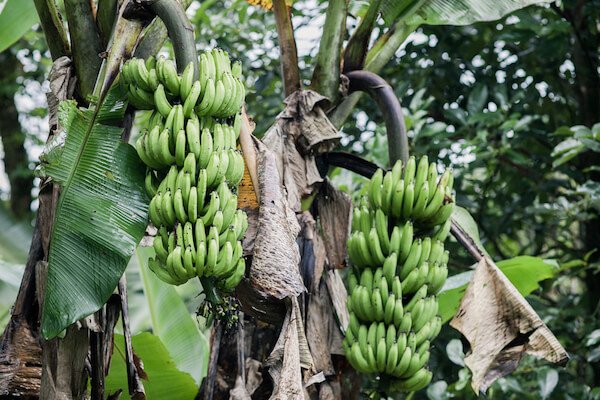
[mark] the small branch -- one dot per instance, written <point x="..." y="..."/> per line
<point x="465" y="240"/>
<point x="87" y="47"/>
<point x="240" y="343"/>
<point x="358" y="44"/>
<point x="134" y="382"/>
<point x="180" y="29"/>
<point x="97" y="358"/>
<point x="105" y="19"/>
<point x="388" y="103"/>
<point x="208" y="386"/>
<point x="381" y="53"/>
<point x="154" y="36"/>
<point x="326" y="76"/>
<point x="287" y="46"/>
<point x="54" y="31"/>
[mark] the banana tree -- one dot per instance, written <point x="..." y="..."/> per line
<point x="94" y="205"/>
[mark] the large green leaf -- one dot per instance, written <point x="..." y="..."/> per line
<point x="450" y="12"/>
<point x="164" y="381"/>
<point x="101" y="213"/>
<point x="16" y="18"/>
<point x="15" y="237"/>
<point x="524" y="272"/>
<point x="172" y="322"/>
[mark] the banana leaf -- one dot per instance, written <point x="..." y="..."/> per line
<point x="525" y="272"/>
<point x="450" y="12"/>
<point x="163" y="380"/>
<point x="101" y="213"/>
<point x="15" y="237"/>
<point x="173" y="324"/>
<point x="16" y="18"/>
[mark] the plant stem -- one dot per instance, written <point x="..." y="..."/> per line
<point x="105" y="19"/>
<point x="86" y="45"/>
<point x="54" y="31"/>
<point x="287" y="46"/>
<point x="383" y="50"/>
<point x="154" y="36"/>
<point x="180" y="29"/>
<point x="326" y="76"/>
<point x="358" y="44"/>
<point x="123" y="40"/>
<point x="390" y="108"/>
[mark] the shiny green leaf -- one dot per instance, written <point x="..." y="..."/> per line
<point x="100" y="216"/>
<point x="172" y="322"/>
<point x="450" y="12"/>
<point x="16" y="18"/>
<point x="164" y="381"/>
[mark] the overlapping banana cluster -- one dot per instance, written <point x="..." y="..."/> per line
<point x="194" y="167"/>
<point x="397" y="250"/>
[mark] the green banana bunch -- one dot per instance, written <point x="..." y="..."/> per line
<point x="189" y="145"/>
<point x="396" y="247"/>
<point x="155" y="85"/>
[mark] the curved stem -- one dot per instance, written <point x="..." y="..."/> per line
<point x="388" y="103"/>
<point x="180" y="29"/>
<point x="351" y="162"/>
<point x="154" y="36"/>
<point x="383" y="50"/>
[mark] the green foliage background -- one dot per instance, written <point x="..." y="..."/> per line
<point x="498" y="102"/>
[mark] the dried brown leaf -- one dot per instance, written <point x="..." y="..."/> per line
<point x="239" y="391"/>
<point x="289" y="356"/>
<point x="500" y="326"/>
<point x="301" y="131"/>
<point x="335" y="208"/>
<point x="276" y="256"/>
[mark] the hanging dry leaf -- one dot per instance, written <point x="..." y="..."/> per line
<point x="301" y="131"/>
<point x="276" y="256"/>
<point x="500" y="326"/>
<point x="289" y="356"/>
<point x="335" y="208"/>
<point x="62" y="85"/>
<point x="239" y="391"/>
<point x="339" y="296"/>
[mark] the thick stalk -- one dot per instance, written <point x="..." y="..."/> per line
<point x="105" y="19"/>
<point x="326" y="76"/>
<point x="390" y="108"/>
<point x="86" y="45"/>
<point x="358" y="44"/>
<point x="54" y="31"/>
<point x="154" y="36"/>
<point x="287" y="47"/>
<point x="383" y="50"/>
<point x="180" y="29"/>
